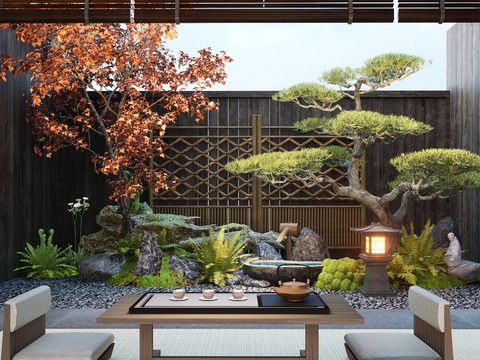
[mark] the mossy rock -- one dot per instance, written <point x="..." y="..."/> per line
<point x="166" y="277"/>
<point x="179" y="229"/>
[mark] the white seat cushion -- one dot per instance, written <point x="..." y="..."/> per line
<point x="395" y="346"/>
<point x="62" y="346"/>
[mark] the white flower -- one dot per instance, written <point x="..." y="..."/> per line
<point x="77" y="205"/>
<point x="78" y="200"/>
<point x="70" y="204"/>
<point x="85" y="198"/>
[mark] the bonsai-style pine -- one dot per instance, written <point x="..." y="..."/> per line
<point x="119" y="83"/>
<point x="423" y="175"/>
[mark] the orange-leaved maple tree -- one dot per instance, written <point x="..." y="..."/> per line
<point x="105" y="80"/>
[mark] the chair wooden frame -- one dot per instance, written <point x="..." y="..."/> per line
<point x="17" y="340"/>
<point x="438" y="341"/>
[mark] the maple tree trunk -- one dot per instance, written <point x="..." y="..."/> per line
<point x="127" y="220"/>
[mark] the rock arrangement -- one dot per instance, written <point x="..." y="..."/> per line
<point x="267" y="252"/>
<point x="190" y="269"/>
<point x="179" y="229"/>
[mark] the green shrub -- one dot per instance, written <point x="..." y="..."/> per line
<point x="218" y="257"/>
<point x="45" y="260"/>
<point x="342" y="274"/>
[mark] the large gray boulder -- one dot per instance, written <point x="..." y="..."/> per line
<point x="190" y="269"/>
<point x="441" y="230"/>
<point x="150" y="258"/>
<point x="309" y="247"/>
<point x="100" y="267"/>
<point x="267" y="252"/>
<point x="467" y="270"/>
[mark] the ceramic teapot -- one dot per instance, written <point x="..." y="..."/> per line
<point x="294" y="291"/>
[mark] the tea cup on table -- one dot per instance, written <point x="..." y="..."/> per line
<point x="208" y="293"/>
<point x="178" y="293"/>
<point x="237" y="293"/>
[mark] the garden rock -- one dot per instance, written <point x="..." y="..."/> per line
<point x="453" y="256"/>
<point x="190" y="269"/>
<point x="267" y="252"/>
<point x="467" y="270"/>
<point x="309" y="247"/>
<point x="100" y="267"/>
<point x="441" y="230"/>
<point x="150" y="258"/>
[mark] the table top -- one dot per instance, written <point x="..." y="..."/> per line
<point x="340" y="313"/>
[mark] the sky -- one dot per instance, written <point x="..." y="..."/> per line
<point x="276" y="56"/>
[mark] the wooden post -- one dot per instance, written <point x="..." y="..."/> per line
<point x="257" y="215"/>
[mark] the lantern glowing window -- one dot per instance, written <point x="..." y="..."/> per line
<point x="375" y="245"/>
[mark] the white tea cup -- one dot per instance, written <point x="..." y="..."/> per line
<point x="178" y="293"/>
<point x="208" y="293"/>
<point x="237" y="293"/>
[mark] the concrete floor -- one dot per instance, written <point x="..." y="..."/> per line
<point x="461" y="319"/>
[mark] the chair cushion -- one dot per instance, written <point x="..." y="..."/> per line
<point x="427" y="306"/>
<point x="395" y="346"/>
<point x="29" y="306"/>
<point x="67" y="345"/>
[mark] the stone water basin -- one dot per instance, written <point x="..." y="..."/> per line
<point x="267" y="270"/>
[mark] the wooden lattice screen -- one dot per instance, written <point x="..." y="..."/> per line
<point x="196" y="154"/>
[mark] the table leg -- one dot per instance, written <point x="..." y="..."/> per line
<point x="311" y="342"/>
<point x="146" y="341"/>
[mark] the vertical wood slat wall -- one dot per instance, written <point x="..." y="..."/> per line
<point x="27" y="182"/>
<point x="463" y="81"/>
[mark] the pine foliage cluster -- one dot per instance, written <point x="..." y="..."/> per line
<point x="218" y="256"/>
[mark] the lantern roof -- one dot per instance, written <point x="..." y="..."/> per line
<point x="376" y="228"/>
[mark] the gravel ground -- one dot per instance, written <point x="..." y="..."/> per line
<point x="71" y="293"/>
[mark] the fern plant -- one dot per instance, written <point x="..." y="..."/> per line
<point x="218" y="257"/>
<point x="46" y="260"/>
<point x="416" y="262"/>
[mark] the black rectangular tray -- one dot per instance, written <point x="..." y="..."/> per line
<point x="267" y="304"/>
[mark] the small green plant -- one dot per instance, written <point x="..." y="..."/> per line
<point x="74" y="258"/>
<point x="78" y="209"/>
<point x="416" y="262"/>
<point x="218" y="257"/>
<point x="45" y="260"/>
<point x="342" y="274"/>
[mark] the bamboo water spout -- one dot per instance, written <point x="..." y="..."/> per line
<point x="287" y="229"/>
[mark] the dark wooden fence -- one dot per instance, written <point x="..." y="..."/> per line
<point x="463" y="81"/>
<point x="27" y="181"/>
<point x="35" y="191"/>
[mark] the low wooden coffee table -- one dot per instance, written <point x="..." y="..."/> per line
<point x="340" y="313"/>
